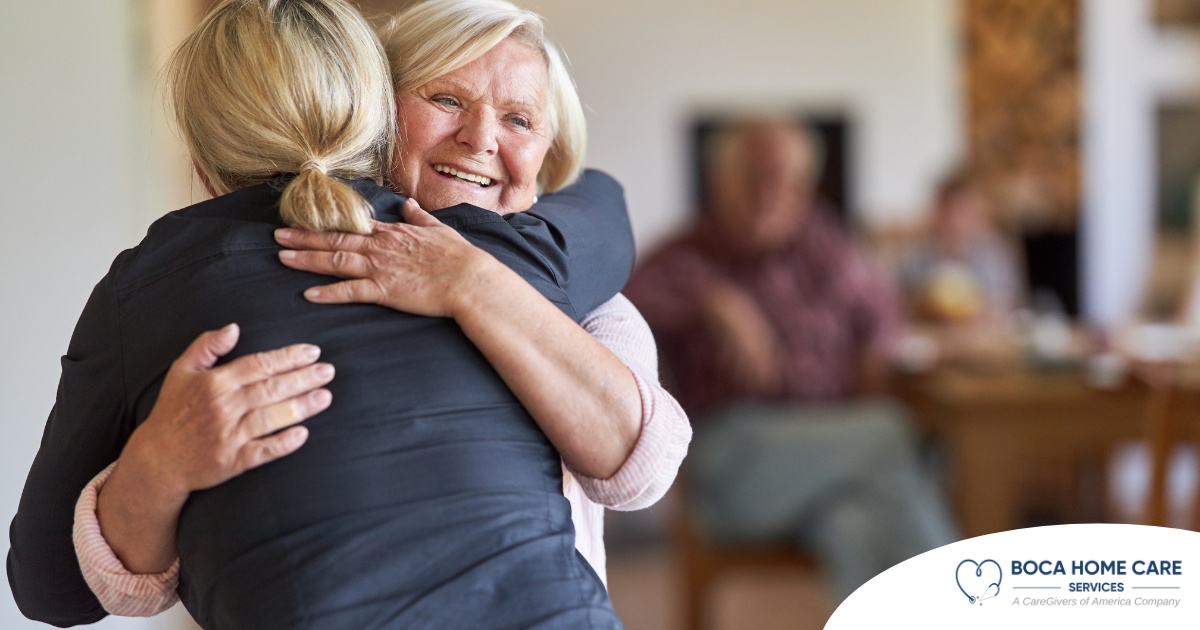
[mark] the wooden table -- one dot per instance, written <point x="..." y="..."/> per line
<point x="1003" y="431"/>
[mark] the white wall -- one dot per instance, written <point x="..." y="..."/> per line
<point x="71" y="138"/>
<point x="1118" y="157"/>
<point x="644" y="67"/>
<point x="1129" y="67"/>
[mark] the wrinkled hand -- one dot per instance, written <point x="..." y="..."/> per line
<point x="211" y="424"/>
<point x="421" y="267"/>
<point x="747" y="345"/>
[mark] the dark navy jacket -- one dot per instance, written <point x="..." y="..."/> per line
<point x="425" y="497"/>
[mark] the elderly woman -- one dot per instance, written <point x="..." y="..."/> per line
<point x="483" y="154"/>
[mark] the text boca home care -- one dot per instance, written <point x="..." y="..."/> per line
<point x="1100" y="568"/>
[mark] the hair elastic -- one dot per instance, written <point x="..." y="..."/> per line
<point x="314" y="165"/>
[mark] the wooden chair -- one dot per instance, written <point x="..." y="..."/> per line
<point x="1171" y="409"/>
<point x="702" y="561"/>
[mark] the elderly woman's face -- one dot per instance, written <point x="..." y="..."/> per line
<point x="479" y="134"/>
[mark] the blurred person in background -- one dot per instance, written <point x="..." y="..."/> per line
<point x="962" y="271"/>
<point x="773" y="329"/>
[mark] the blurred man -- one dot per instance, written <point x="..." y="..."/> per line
<point x="773" y="327"/>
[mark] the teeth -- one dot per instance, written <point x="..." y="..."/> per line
<point x="470" y="177"/>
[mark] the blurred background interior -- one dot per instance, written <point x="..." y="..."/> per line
<point x="1025" y="173"/>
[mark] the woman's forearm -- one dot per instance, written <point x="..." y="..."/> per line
<point x="120" y="591"/>
<point x="139" y="519"/>
<point x="580" y="394"/>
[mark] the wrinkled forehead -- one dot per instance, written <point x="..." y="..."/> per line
<point x="512" y="74"/>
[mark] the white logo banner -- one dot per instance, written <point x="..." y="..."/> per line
<point x="1065" y="576"/>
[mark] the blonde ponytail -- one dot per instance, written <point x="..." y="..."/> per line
<point x="265" y="88"/>
<point x="315" y="201"/>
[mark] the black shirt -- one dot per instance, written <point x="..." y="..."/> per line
<point x="425" y="495"/>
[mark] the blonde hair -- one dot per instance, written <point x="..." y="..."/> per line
<point x="270" y="87"/>
<point x="434" y="38"/>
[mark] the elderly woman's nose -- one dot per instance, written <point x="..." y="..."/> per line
<point x="480" y="132"/>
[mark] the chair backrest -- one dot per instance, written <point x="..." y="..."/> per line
<point x="701" y="560"/>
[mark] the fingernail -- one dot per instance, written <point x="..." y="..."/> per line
<point x="325" y="370"/>
<point x="287" y="254"/>
<point x="310" y="352"/>
<point x="229" y="328"/>
<point x="322" y="397"/>
<point x="313" y="293"/>
<point x="283" y="234"/>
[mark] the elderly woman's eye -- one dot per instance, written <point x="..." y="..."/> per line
<point x="521" y="122"/>
<point x="448" y="101"/>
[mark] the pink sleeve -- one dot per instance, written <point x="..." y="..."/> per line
<point x="119" y="591"/>
<point x="662" y="444"/>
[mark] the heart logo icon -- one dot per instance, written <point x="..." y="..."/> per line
<point x="978" y="580"/>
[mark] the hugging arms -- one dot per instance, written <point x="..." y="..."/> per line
<point x="317" y="453"/>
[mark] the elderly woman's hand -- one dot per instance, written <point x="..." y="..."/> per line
<point x="421" y="267"/>
<point x="208" y="425"/>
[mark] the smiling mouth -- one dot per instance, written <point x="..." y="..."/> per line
<point x="450" y="171"/>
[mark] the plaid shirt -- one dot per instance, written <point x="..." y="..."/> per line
<point x="828" y="305"/>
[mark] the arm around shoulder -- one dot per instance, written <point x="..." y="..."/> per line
<point x="584" y="232"/>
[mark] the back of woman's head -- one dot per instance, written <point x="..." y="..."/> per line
<point x="265" y="88"/>
<point x="437" y="37"/>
